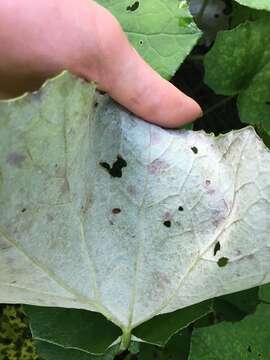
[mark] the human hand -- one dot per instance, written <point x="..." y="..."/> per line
<point x="38" y="39"/>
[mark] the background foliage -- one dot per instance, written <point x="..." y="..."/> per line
<point x="232" y="84"/>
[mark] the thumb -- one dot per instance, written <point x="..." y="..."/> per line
<point x="133" y="83"/>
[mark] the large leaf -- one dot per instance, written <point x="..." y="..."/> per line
<point x="265" y="293"/>
<point x="89" y="332"/>
<point x="162" y="31"/>
<point x="247" y="339"/>
<point x="242" y="13"/>
<point x="256" y="4"/>
<point x="234" y="307"/>
<point x="102" y="211"/>
<point x="239" y="63"/>
<point x="161" y="328"/>
<point x="72" y="328"/>
<point x="176" y="349"/>
<point x="50" y="351"/>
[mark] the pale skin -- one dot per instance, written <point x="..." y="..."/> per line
<point x="40" y="38"/>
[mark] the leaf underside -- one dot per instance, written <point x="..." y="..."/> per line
<point x="102" y="211"/>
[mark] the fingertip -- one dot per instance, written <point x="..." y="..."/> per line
<point x="129" y="80"/>
<point x="188" y="111"/>
<point x="168" y="106"/>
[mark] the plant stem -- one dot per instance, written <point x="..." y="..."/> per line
<point x="217" y="105"/>
<point x="196" y="57"/>
<point x="126" y="337"/>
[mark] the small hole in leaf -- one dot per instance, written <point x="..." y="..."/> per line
<point x="141" y="42"/>
<point x="180" y="208"/>
<point x="116" y="211"/>
<point x="207" y="182"/>
<point x="96" y="104"/>
<point x="105" y="166"/>
<point x="249" y="349"/>
<point x="23" y="210"/>
<point x="194" y="149"/>
<point x="167" y="223"/>
<point x="216" y="248"/>
<point x="116" y="169"/>
<point x="133" y="6"/>
<point x="222" y="261"/>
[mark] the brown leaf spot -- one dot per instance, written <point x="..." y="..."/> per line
<point x="116" y="211"/>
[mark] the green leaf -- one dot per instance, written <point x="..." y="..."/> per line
<point x="236" y="306"/>
<point x="160" y="329"/>
<point x="242" y="13"/>
<point x="177" y="348"/>
<point x="263" y="135"/>
<point x="265" y="293"/>
<point x="72" y="328"/>
<point x="104" y="212"/>
<point x="162" y="31"/>
<point x="245" y="301"/>
<point x="187" y="127"/>
<point x="239" y="64"/>
<point x="244" y="340"/>
<point x="256" y="4"/>
<point x="50" y="351"/>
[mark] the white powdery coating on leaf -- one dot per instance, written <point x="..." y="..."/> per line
<point x="116" y="215"/>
